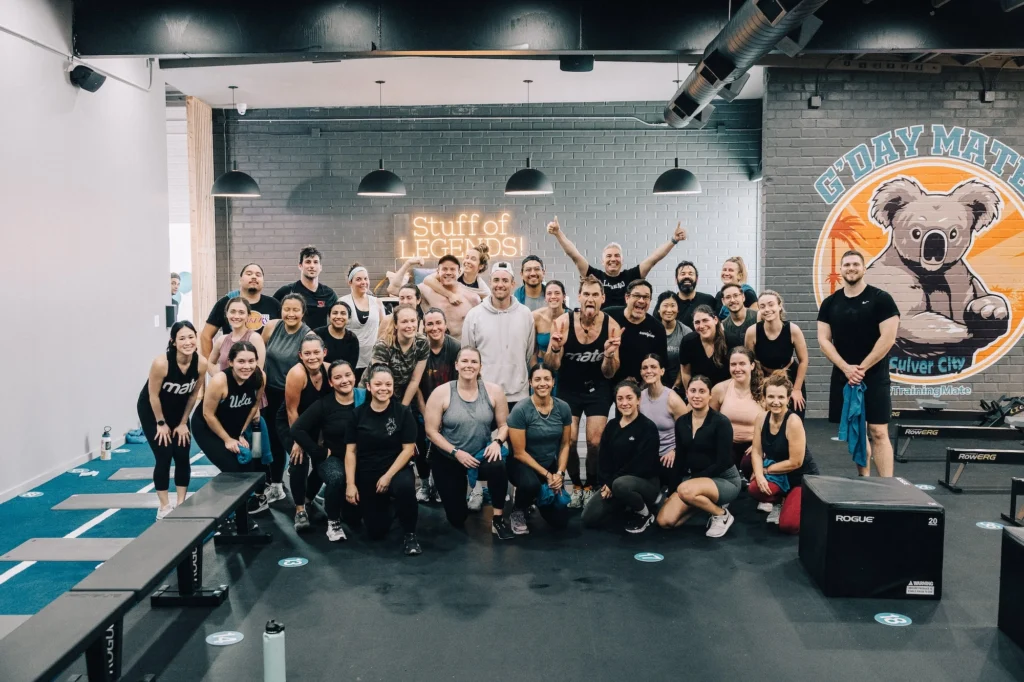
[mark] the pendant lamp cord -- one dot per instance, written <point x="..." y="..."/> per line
<point x="380" y="120"/>
<point x="530" y="136"/>
<point x="677" y="81"/>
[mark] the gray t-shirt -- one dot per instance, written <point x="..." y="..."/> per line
<point x="543" y="434"/>
<point x="672" y="361"/>
<point x="534" y="303"/>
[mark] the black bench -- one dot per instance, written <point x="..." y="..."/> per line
<point x="1016" y="515"/>
<point x="224" y="494"/>
<point x="980" y="434"/>
<point x="961" y="457"/>
<point x="1011" y="585"/>
<point x="76" y="622"/>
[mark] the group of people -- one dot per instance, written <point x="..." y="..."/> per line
<point x="474" y="377"/>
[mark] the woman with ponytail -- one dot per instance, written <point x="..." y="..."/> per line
<point x="367" y="314"/>
<point x="704" y="351"/>
<point x="775" y="341"/>
<point x="739" y="399"/>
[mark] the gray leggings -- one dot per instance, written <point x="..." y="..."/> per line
<point x="628" y="492"/>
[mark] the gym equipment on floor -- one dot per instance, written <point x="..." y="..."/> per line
<point x="979" y="434"/>
<point x="1011" y="585"/>
<point x="66" y="549"/>
<point x="961" y="457"/>
<point x="1016" y="515"/>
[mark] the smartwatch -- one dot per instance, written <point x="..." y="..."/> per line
<point x="161" y="423"/>
<point x="498" y="441"/>
<point x="453" y="453"/>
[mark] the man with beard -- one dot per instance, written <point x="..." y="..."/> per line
<point x="614" y="278"/>
<point x="440" y="369"/>
<point x="688" y="298"/>
<point x="319" y="297"/>
<point x="531" y="292"/>
<point x="740" y="317"/>
<point x="250" y="287"/>
<point x="857" y="327"/>
<point x="641" y="333"/>
<point x="584" y="351"/>
<point x="448" y="275"/>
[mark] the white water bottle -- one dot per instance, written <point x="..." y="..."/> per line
<point x="106" y="444"/>
<point x="273" y="652"/>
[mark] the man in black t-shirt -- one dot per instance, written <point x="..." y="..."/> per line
<point x="857" y="327"/>
<point x="641" y="333"/>
<point x="319" y="297"/>
<point x="689" y="299"/>
<point x="614" y="278"/>
<point x="250" y="287"/>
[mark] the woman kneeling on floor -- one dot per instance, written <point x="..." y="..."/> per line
<point x="628" y="466"/>
<point x="704" y="455"/>
<point x="377" y="460"/>
<point x="780" y="458"/>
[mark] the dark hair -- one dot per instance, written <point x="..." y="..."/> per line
<point x="731" y="285"/>
<point x="779" y="378"/>
<point x="176" y="276"/>
<point x="241" y="347"/>
<point x="472" y="349"/>
<point x="448" y="258"/>
<point x="702" y="379"/>
<point x="852" y="252"/>
<point x="538" y="367"/>
<point x="588" y="281"/>
<point x="352" y="267"/>
<point x="295" y="297"/>
<point x="309" y="252"/>
<point x="638" y="283"/>
<point x="630" y="384"/>
<point x="415" y="289"/>
<point x="655" y="357"/>
<point x="246" y="267"/>
<point x="237" y="299"/>
<point x="756" y="373"/>
<point x="721" y="345"/>
<point x="311" y="337"/>
<point x="662" y="297"/>
<point x="378" y="368"/>
<point x="177" y="327"/>
<point x="557" y="283"/>
<point x="438" y="311"/>
<point x="338" y="363"/>
<point x="341" y="303"/>
<point x="685" y="263"/>
<point x="531" y="257"/>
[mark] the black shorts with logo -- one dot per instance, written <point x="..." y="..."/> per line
<point x="594" y="400"/>
<point x="877" y="399"/>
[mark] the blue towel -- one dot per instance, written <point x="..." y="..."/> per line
<point x="852" y="425"/>
<point x="244" y="455"/>
<point x="471" y="474"/>
<point x="547" y="497"/>
<point x="135" y="437"/>
<point x="267" y="456"/>
<point x="781" y="480"/>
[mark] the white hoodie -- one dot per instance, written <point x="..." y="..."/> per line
<point x="506" y="342"/>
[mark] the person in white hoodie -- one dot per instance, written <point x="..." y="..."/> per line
<point x="501" y="329"/>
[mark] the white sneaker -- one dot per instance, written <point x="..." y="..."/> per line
<point x="776" y="512"/>
<point x="518" y="522"/>
<point x="765" y="507"/>
<point x="275" y="493"/>
<point x="335" y="532"/>
<point x="587" y="494"/>
<point x="719" y="525"/>
<point x="164" y="511"/>
<point x="423" y="491"/>
<point x="576" y="499"/>
<point x="476" y="500"/>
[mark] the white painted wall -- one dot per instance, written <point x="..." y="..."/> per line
<point x="83" y="247"/>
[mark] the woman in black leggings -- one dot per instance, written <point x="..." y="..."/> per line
<point x="333" y="419"/>
<point x="232" y="400"/>
<point x="164" y="405"/>
<point x="305" y="383"/>
<point x="377" y="470"/>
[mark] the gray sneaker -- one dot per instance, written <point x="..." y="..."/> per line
<point x="335" y="531"/>
<point x="476" y="500"/>
<point x="774" y="514"/>
<point x="301" y="522"/>
<point x="576" y="499"/>
<point x="587" y="494"/>
<point x="518" y="522"/>
<point x="275" y="493"/>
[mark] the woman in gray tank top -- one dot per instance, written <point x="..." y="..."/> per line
<point x="458" y="420"/>
<point x="663" y="406"/>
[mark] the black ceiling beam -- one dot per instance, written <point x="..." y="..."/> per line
<point x="332" y="29"/>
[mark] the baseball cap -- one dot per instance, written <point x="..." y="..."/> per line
<point x="503" y="265"/>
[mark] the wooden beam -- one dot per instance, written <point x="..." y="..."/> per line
<point x="199" y="117"/>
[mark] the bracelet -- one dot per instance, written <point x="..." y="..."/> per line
<point x="674" y="241"/>
<point x="498" y="441"/>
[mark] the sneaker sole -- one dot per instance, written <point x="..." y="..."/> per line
<point x="641" y="529"/>
<point x="339" y="539"/>
<point x="524" y="531"/>
<point x="495" y="534"/>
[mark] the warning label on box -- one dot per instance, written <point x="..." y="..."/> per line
<point x="921" y="587"/>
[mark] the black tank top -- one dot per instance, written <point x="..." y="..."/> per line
<point x="175" y="389"/>
<point x="309" y="394"/>
<point x="775" y="354"/>
<point x="581" y="362"/>
<point x="776" y="448"/>
<point x="237" y="404"/>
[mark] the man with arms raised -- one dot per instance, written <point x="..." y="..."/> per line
<point x="319" y="297"/>
<point x="447" y="275"/>
<point x="250" y="287"/>
<point x="857" y="327"/>
<point x="614" y="278"/>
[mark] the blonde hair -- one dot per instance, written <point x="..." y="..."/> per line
<point x="782" y="307"/>
<point x="484" y="252"/>
<point x="741" y="268"/>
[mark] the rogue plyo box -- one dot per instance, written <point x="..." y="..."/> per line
<point x="1011" y="585"/>
<point x="871" y="537"/>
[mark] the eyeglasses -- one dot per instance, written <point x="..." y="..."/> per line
<point x="640" y="297"/>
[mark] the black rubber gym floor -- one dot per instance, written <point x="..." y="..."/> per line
<point x="577" y="606"/>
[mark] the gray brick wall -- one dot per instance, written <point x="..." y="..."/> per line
<point x="603" y="172"/>
<point x="800" y="144"/>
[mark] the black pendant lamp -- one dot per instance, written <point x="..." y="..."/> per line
<point x="381" y="183"/>
<point x="677" y="180"/>
<point x="528" y="181"/>
<point x="234" y="184"/>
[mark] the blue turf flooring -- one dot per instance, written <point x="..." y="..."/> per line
<point x="24" y="518"/>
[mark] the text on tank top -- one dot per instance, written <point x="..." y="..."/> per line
<point x="742" y="414"/>
<point x="774" y="354"/>
<point x="238" y="403"/>
<point x="283" y="353"/>
<point x="657" y="410"/>
<point x="225" y="348"/>
<point x="581" y="362"/>
<point x="364" y="326"/>
<point x="467" y="426"/>
<point x="176" y="387"/>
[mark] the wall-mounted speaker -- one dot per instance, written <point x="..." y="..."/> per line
<point x="86" y="78"/>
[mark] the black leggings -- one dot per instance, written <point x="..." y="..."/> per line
<point x="332" y="472"/>
<point x="376" y="508"/>
<point x="451" y="482"/>
<point x="422" y="448"/>
<point x="275" y="399"/>
<point x="164" y="454"/>
<point x="213" y="447"/>
<point x="527" y="483"/>
<point x="305" y="483"/>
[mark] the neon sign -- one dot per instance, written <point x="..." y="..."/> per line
<point x="432" y="236"/>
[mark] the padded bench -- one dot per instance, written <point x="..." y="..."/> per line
<point x="1011" y="585"/>
<point x="223" y="495"/>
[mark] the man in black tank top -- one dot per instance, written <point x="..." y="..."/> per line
<point x="584" y="350"/>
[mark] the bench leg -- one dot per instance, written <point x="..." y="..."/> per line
<point x="951" y="482"/>
<point x="190" y="590"/>
<point x="1016" y="515"/>
<point x="244" y="532"/>
<point x="103" y="657"/>
<point x="901" y="450"/>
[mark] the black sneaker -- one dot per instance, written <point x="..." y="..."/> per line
<point x="501" y="528"/>
<point x="301" y="522"/>
<point x="412" y="545"/>
<point x="638" y="523"/>
<point x="316" y="512"/>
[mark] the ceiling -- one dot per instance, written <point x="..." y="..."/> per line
<point x="432" y="80"/>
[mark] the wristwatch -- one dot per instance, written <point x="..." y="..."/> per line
<point x="453" y="453"/>
<point x="161" y="423"/>
<point x="498" y="441"/>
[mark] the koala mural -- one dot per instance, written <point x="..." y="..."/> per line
<point x="945" y="308"/>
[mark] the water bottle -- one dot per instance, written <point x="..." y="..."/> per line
<point x="106" y="444"/>
<point x="273" y="652"/>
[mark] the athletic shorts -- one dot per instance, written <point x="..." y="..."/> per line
<point x="593" y="403"/>
<point x="877" y="401"/>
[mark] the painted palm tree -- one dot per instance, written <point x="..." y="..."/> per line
<point x="847" y="229"/>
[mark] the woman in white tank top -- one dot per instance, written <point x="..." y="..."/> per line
<point x="367" y="314"/>
<point x="663" y="406"/>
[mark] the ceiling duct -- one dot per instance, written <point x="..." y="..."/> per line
<point x="754" y="31"/>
